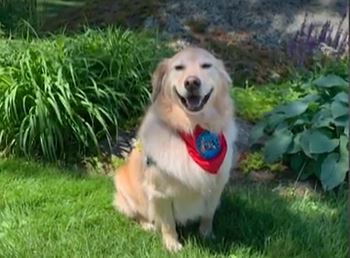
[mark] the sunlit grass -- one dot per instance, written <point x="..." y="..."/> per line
<point x="47" y="212"/>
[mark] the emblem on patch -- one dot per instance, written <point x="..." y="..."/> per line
<point x="208" y="145"/>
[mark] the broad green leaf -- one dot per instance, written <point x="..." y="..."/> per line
<point x="320" y="143"/>
<point x="339" y="109"/>
<point x="330" y="81"/>
<point x="312" y="167"/>
<point x="343" y="150"/>
<point x="330" y="176"/>
<point x="342" y="97"/>
<point x="257" y="132"/>
<point x="282" y="126"/>
<point x="277" y="145"/>
<point x="310" y="98"/>
<point x="333" y="171"/>
<point x="323" y="118"/>
<point x="305" y="144"/>
<point x="297" y="161"/>
<point x="295" y="146"/>
<point x="315" y="142"/>
<point x="302" y="120"/>
<point x="293" y="109"/>
<point x="346" y="130"/>
<point x="327" y="131"/>
<point x="272" y="121"/>
<point x="297" y="107"/>
<point x="341" y="121"/>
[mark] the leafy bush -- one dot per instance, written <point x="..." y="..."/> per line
<point x="321" y="65"/>
<point x="14" y="13"/>
<point x="2" y="32"/>
<point x="311" y="134"/>
<point x="254" y="161"/>
<point x="62" y="96"/>
<point x="253" y="102"/>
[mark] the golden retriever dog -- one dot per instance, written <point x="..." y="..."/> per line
<point x="178" y="169"/>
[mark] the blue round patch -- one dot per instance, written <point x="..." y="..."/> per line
<point x="208" y="145"/>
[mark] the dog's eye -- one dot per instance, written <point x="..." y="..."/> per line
<point x="179" y="67"/>
<point x="206" y="65"/>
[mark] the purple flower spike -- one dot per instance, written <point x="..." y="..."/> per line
<point x="307" y="40"/>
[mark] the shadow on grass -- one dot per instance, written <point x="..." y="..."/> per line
<point x="262" y="221"/>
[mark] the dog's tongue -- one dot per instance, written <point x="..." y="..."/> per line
<point x="193" y="101"/>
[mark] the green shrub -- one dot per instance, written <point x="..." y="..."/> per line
<point x="321" y="64"/>
<point x="2" y="32"/>
<point x="62" y="96"/>
<point x="253" y="102"/>
<point x="13" y="15"/>
<point x="329" y="65"/>
<point x="311" y="134"/>
<point x="254" y="161"/>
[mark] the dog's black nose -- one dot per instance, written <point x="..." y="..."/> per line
<point x="192" y="83"/>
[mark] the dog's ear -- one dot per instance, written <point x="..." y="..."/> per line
<point x="224" y="73"/>
<point x="157" y="78"/>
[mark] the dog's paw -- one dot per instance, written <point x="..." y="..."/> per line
<point x="148" y="226"/>
<point x="172" y="245"/>
<point x="207" y="235"/>
<point x="206" y="232"/>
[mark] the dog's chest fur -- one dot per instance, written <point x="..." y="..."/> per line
<point x="176" y="175"/>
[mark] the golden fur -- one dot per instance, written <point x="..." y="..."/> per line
<point x="176" y="189"/>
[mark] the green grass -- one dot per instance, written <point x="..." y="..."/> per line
<point x="47" y="212"/>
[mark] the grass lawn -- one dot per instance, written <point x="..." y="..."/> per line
<point x="47" y="212"/>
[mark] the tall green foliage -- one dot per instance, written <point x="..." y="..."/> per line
<point x="62" y="96"/>
<point x="14" y="13"/>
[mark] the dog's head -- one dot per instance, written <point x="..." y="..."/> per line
<point x="191" y="79"/>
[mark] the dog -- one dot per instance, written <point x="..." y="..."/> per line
<point x="184" y="150"/>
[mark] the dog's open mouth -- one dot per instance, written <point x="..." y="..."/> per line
<point x="194" y="103"/>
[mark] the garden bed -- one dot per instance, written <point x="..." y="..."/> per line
<point x="250" y="36"/>
<point x="62" y="96"/>
<point x="254" y="50"/>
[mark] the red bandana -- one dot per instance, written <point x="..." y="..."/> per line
<point x="209" y="164"/>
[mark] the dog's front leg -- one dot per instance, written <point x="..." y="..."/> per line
<point x="206" y="223"/>
<point x="162" y="213"/>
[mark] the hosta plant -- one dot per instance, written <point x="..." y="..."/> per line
<point x="311" y="133"/>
